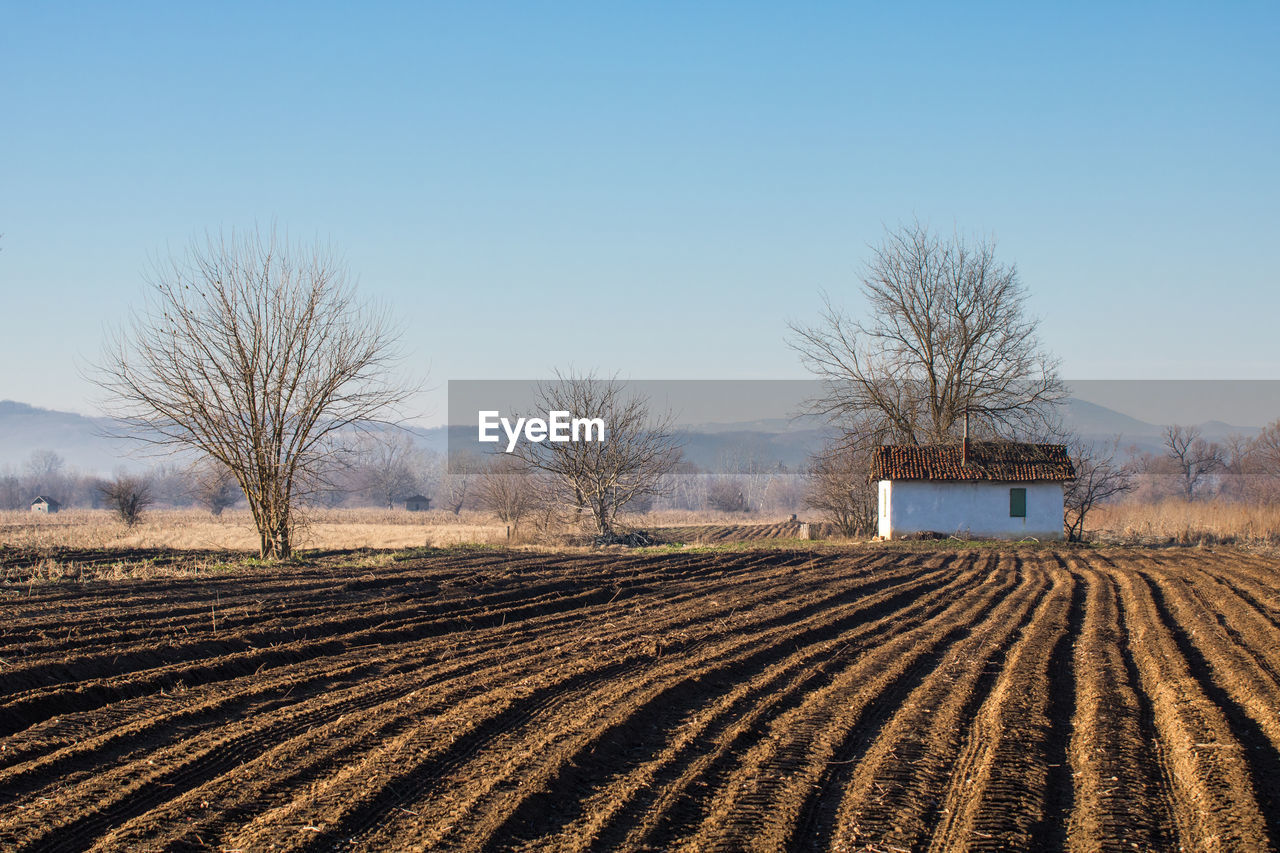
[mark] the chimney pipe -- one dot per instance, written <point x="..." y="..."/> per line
<point x="964" y="454"/>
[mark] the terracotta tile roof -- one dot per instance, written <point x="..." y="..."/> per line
<point x="1005" y="461"/>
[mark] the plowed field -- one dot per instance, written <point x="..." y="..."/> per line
<point x="1026" y="699"/>
<point x="726" y="533"/>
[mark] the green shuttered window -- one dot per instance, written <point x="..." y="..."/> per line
<point x="1017" y="503"/>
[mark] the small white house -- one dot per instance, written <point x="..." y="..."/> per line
<point x="984" y="489"/>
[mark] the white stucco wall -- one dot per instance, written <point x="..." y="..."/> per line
<point x="976" y="508"/>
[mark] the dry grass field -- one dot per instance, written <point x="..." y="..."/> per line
<point x="826" y="699"/>
<point x="333" y="529"/>
<point x="1172" y="521"/>
<point x="234" y="530"/>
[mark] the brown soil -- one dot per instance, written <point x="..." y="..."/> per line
<point x="1122" y="699"/>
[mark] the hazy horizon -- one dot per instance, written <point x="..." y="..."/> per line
<point x="709" y="412"/>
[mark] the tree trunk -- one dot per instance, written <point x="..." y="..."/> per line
<point x="278" y="544"/>
<point x="275" y="529"/>
<point x="604" y="525"/>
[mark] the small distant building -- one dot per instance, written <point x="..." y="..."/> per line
<point x="987" y="489"/>
<point x="417" y="503"/>
<point x="45" y="504"/>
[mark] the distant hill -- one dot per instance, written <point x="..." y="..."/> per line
<point x="1092" y="419"/>
<point x="1100" y="423"/>
<point x="84" y="442"/>
<point x="80" y="440"/>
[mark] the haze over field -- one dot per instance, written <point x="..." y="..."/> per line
<point x="84" y="444"/>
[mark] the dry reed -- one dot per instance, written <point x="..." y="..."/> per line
<point x="1187" y="522"/>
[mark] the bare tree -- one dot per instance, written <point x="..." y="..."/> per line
<point x="11" y="492"/>
<point x="457" y="483"/>
<point x="387" y="467"/>
<point x="259" y="355"/>
<point x="948" y="334"/>
<point x="1239" y="477"/>
<point x="1194" y="458"/>
<point x="214" y="487"/>
<point x="685" y="487"/>
<point x="508" y="489"/>
<point x="726" y="495"/>
<point x="1256" y="464"/>
<point x="45" y="463"/>
<point x="128" y="495"/>
<point x="839" y="489"/>
<point x="1100" y="476"/>
<point x="45" y="474"/>
<point x="751" y="471"/>
<point x="786" y="491"/>
<point x="600" y="478"/>
<point x="427" y="466"/>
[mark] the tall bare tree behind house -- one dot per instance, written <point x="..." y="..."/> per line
<point x="947" y="333"/>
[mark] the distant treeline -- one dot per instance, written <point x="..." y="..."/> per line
<point x="384" y="474"/>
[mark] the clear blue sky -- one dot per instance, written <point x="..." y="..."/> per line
<point x="650" y="188"/>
